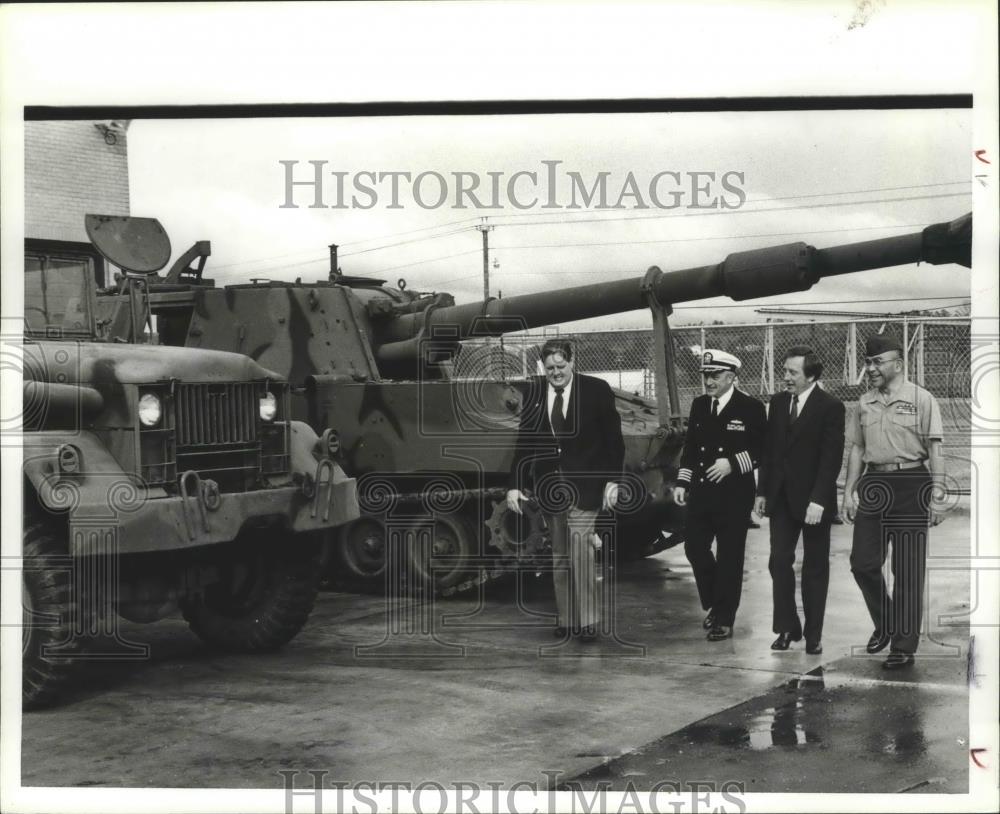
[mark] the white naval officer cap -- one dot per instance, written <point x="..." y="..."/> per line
<point x="712" y="360"/>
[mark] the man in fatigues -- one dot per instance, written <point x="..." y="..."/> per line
<point x="895" y="435"/>
<point x="721" y="450"/>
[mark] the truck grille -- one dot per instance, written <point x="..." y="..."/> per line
<point x="215" y="429"/>
<point x="217" y="413"/>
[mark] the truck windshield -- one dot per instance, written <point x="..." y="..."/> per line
<point x="57" y="292"/>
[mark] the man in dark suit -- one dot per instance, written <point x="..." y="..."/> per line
<point x="797" y="489"/>
<point x="569" y="455"/>
<point x="721" y="448"/>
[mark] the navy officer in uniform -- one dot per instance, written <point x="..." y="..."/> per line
<point x="895" y="436"/>
<point x="721" y="450"/>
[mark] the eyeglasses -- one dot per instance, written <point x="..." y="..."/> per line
<point x="877" y="362"/>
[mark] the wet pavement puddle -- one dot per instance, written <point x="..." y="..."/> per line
<point x="847" y="733"/>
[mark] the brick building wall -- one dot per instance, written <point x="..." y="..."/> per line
<point x="70" y="170"/>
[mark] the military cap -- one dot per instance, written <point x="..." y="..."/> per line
<point x="719" y="360"/>
<point x="877" y="345"/>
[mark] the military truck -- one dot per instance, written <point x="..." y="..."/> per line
<point x="157" y="478"/>
<point x="428" y="444"/>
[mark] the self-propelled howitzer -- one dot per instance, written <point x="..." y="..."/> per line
<point x="431" y="444"/>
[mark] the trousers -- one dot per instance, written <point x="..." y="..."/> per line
<point x="574" y="575"/>
<point x="720" y="577"/>
<point x="893" y="514"/>
<point x="785" y="531"/>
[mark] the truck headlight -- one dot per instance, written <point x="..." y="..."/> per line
<point x="149" y="410"/>
<point x="268" y="406"/>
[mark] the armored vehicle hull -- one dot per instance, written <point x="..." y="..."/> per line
<point x="432" y="449"/>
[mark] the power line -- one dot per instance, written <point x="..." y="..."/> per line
<point x="342" y="254"/>
<point x="467" y="221"/>
<point x="404" y="242"/>
<point x="790" y="197"/>
<point x="472" y="220"/>
<point x="430" y="260"/>
<point x="741" y="211"/>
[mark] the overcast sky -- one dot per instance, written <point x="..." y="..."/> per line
<point x="822" y="177"/>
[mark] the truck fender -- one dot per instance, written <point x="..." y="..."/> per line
<point x="301" y="447"/>
<point x="95" y="480"/>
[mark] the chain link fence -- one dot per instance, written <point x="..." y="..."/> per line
<point x="938" y="357"/>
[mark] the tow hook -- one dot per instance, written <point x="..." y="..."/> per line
<point x="323" y="466"/>
<point x="192" y="487"/>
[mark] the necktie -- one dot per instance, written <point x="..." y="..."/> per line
<point x="715" y="408"/>
<point x="558" y="420"/>
<point x="795" y="410"/>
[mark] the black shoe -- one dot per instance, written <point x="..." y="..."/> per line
<point x="720" y="632"/>
<point x="814" y="648"/>
<point x="753" y="524"/>
<point x="897" y="661"/>
<point x="709" y="622"/>
<point x="878" y="642"/>
<point x="560" y="633"/>
<point x="784" y="640"/>
<point x="588" y="633"/>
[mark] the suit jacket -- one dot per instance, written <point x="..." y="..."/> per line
<point x="590" y="453"/>
<point x="737" y="435"/>
<point x="803" y="459"/>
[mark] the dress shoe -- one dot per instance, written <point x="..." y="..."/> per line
<point x="588" y="633"/>
<point x="753" y="524"/>
<point x="814" y="648"/>
<point x="720" y="632"/>
<point x="560" y="632"/>
<point x="784" y="640"/>
<point x="897" y="661"/>
<point x="709" y="622"/>
<point x="877" y="642"/>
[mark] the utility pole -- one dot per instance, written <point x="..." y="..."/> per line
<point x="485" y="228"/>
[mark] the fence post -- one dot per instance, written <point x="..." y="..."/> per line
<point x="852" y="353"/>
<point x="906" y="348"/>
<point x="702" y="351"/>
<point x="769" y="349"/>
<point x="920" y="352"/>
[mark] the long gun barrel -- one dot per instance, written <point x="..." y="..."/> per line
<point x="741" y="276"/>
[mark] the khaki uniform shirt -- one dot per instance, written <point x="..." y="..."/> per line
<point x="895" y="429"/>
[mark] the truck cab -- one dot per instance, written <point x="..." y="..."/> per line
<point x="157" y="478"/>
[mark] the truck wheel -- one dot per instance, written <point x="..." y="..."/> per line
<point x="263" y="599"/>
<point x="445" y="558"/>
<point x="46" y="618"/>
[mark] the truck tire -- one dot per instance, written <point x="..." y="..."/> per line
<point x="264" y="598"/>
<point x="46" y="618"/>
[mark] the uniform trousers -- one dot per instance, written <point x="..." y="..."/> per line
<point x="720" y="577"/>
<point x="785" y="530"/>
<point x="574" y="575"/>
<point x="893" y="512"/>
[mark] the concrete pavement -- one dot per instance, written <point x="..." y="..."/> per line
<point x="487" y="695"/>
